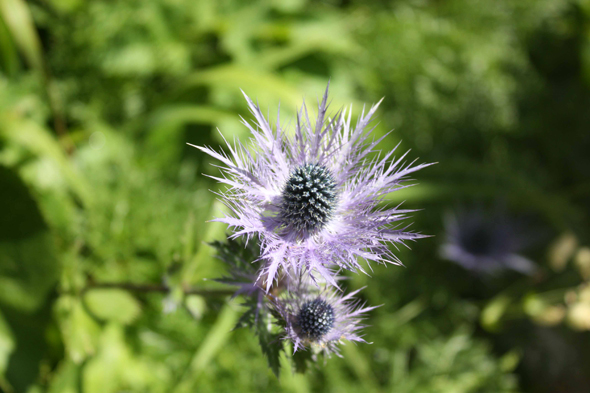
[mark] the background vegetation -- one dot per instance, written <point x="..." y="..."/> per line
<point x="103" y="240"/>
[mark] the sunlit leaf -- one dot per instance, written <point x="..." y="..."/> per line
<point x="8" y="54"/>
<point x="17" y="17"/>
<point x="7" y="345"/>
<point x="66" y="378"/>
<point x="39" y="140"/>
<point x="214" y="341"/>
<point x="494" y="311"/>
<point x="113" y="305"/>
<point x="79" y="331"/>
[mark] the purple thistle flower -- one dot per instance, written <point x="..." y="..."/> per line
<point x="485" y="244"/>
<point x="312" y="198"/>
<point x="320" y="319"/>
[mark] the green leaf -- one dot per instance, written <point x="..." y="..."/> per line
<point x="6" y="345"/>
<point x="66" y="379"/>
<point x="29" y="268"/>
<point x="29" y="330"/>
<point x="257" y="84"/>
<point x="196" y="305"/>
<point x="113" y="305"/>
<point x="270" y="343"/>
<point x="8" y="55"/>
<point x="302" y="360"/>
<point x="238" y="256"/>
<point x="165" y="138"/>
<point x="494" y="311"/>
<point x="216" y="338"/>
<point x="103" y="372"/>
<point x="118" y="367"/>
<point x="359" y="364"/>
<point x="79" y="331"/>
<point x="21" y="217"/>
<point x="40" y="141"/>
<point x="326" y="36"/>
<point x="17" y="17"/>
<point x="202" y="265"/>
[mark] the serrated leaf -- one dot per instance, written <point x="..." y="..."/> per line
<point x="247" y="319"/>
<point x="270" y="343"/>
<point x="113" y="305"/>
<point x="236" y="254"/>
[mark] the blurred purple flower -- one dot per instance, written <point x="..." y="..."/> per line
<point x="320" y="319"/>
<point x="485" y="243"/>
<point x="312" y="198"/>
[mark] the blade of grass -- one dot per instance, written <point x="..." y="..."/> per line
<point x="290" y="380"/>
<point x="359" y="364"/>
<point x="18" y="19"/>
<point x="39" y="140"/>
<point x="8" y="51"/>
<point x="216" y="338"/>
<point x="200" y="265"/>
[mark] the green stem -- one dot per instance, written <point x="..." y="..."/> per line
<point x="148" y="288"/>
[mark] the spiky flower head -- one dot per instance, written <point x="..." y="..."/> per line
<point x="320" y="318"/>
<point x="312" y="198"/>
<point x="485" y="243"/>
<point x="315" y="319"/>
<point x="309" y="197"/>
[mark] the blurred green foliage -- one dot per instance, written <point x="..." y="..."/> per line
<point x="97" y="101"/>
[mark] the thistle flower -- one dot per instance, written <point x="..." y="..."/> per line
<point x="320" y="319"/>
<point x="312" y="198"/>
<point x="485" y="244"/>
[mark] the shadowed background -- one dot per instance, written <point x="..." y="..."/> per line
<point x="103" y="234"/>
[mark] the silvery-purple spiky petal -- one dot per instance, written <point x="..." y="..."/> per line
<point x="312" y="198"/>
